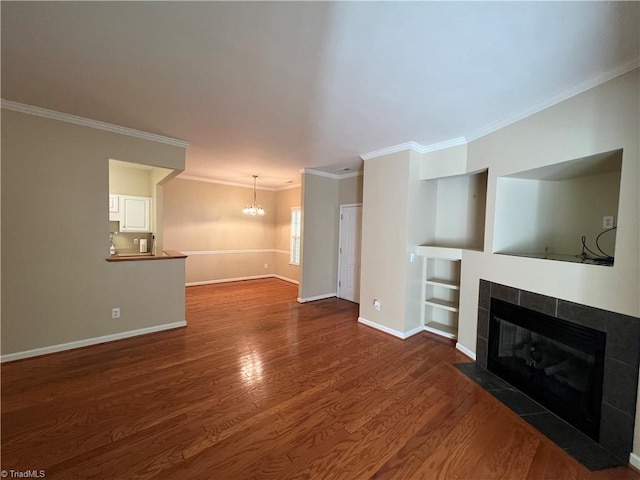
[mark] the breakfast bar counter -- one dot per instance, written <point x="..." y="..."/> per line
<point x="135" y="257"/>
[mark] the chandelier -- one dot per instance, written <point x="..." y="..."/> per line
<point x="254" y="208"/>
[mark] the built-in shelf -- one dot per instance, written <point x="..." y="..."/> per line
<point x="440" y="291"/>
<point x="453" y="208"/>
<point x="445" y="253"/>
<point x="444" y="304"/>
<point x="441" y="329"/>
<point x="439" y="282"/>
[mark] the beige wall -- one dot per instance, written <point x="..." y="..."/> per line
<point x="57" y="285"/>
<point x="419" y="228"/>
<point x="320" y="217"/>
<point x="127" y="179"/>
<point x="350" y="190"/>
<point x="321" y="198"/>
<point x="384" y="239"/>
<point x="205" y="220"/>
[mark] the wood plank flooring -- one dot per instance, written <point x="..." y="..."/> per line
<point x="261" y="387"/>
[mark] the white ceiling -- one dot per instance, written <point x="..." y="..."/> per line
<point x="269" y="88"/>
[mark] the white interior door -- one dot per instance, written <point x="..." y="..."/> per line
<point x="349" y="252"/>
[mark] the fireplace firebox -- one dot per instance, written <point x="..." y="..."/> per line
<point x="558" y="363"/>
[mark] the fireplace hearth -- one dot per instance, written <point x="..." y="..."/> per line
<point x="579" y="362"/>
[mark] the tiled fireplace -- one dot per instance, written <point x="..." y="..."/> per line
<point x="616" y="387"/>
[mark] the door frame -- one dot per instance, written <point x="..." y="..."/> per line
<point x="342" y="206"/>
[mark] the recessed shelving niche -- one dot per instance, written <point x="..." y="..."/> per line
<point x="456" y="215"/>
<point x="458" y="210"/>
<point x="546" y="212"/>
<point x="441" y="295"/>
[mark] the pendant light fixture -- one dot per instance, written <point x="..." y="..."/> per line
<point x="254" y="208"/>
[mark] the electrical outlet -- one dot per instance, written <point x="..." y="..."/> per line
<point x="376" y="304"/>
<point x="412" y="257"/>
<point x="266" y="265"/>
<point x="115" y="312"/>
<point x="608" y="221"/>
<point x="135" y="241"/>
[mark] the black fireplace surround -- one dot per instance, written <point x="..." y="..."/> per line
<point x="541" y="350"/>
<point x="559" y="364"/>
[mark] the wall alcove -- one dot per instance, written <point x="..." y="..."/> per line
<point x="563" y="212"/>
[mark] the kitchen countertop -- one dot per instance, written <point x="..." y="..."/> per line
<point x="166" y="255"/>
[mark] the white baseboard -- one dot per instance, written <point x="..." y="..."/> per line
<point x="413" y="332"/>
<point x="466" y="351"/>
<point x="317" y="297"/>
<point x="89" y="341"/>
<point x="286" y="279"/>
<point x="634" y="460"/>
<point x="390" y="331"/>
<point x="239" y="279"/>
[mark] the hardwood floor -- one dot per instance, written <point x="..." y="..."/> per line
<point x="259" y="386"/>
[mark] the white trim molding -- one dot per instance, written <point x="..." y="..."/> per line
<point x="634" y="460"/>
<point x="196" y="178"/>
<point x="497" y="125"/>
<point x="286" y="279"/>
<point x="288" y="187"/>
<point x="401" y="147"/>
<point x="390" y="331"/>
<point x="557" y="98"/>
<point x="316" y="297"/>
<point x="335" y="176"/>
<point x="416" y="147"/>
<point x="454" y="142"/>
<point x="90" y="341"/>
<point x="466" y="351"/>
<point x="86" y="122"/>
<point x="350" y="174"/>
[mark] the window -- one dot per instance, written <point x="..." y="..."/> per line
<point x="294" y="246"/>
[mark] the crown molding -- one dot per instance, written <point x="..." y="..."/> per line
<point x="196" y="178"/>
<point x="288" y="187"/>
<point x="222" y="182"/>
<point x="335" y="176"/>
<point x="557" y="98"/>
<point x="497" y="125"/>
<point x="319" y="173"/>
<point x="401" y="147"/>
<point x="415" y="147"/>
<point x="357" y="173"/>
<point x="454" y="142"/>
<point x="86" y="122"/>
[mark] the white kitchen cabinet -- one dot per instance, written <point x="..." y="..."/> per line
<point x="114" y="208"/>
<point x="135" y="214"/>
